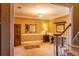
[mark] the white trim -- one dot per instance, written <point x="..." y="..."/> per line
<point x="11" y="30"/>
<point x="76" y="35"/>
<point x="36" y="34"/>
<point x="38" y="41"/>
<point x="17" y="16"/>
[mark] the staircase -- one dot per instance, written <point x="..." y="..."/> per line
<point x="73" y="49"/>
<point x="63" y="48"/>
<point x="61" y="45"/>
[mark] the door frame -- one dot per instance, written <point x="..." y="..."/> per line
<point x="12" y="29"/>
<point x="15" y="36"/>
<point x="70" y="6"/>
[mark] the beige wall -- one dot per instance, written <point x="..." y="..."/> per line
<point x="30" y="36"/>
<point x="40" y="27"/>
<point x="52" y="26"/>
<point x="24" y="21"/>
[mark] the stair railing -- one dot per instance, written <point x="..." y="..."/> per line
<point x="74" y="47"/>
<point x="56" y="41"/>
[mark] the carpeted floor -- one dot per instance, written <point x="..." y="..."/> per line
<point x="45" y="49"/>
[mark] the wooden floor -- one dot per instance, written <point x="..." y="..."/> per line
<point x="46" y="49"/>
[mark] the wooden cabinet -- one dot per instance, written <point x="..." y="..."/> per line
<point x="17" y="34"/>
<point x="45" y="38"/>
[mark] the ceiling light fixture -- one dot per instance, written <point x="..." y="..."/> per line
<point x="40" y="11"/>
<point x="40" y="15"/>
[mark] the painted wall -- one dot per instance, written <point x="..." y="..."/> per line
<point x="6" y="47"/>
<point x="40" y="27"/>
<point x="52" y="26"/>
<point x="24" y="21"/>
<point x="75" y="19"/>
<point x="31" y="36"/>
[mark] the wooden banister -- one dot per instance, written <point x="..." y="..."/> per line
<point x="63" y="31"/>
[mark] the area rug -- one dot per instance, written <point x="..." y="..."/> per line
<point x="32" y="46"/>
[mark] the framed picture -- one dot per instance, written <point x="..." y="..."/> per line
<point x="60" y="26"/>
<point x="26" y="28"/>
<point x="31" y="28"/>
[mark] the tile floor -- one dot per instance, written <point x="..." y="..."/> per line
<point x="46" y="49"/>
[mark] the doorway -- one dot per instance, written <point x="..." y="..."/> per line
<point x="17" y="34"/>
<point x="48" y="24"/>
<point x="12" y="40"/>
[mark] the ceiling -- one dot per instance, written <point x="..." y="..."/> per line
<point x="39" y="10"/>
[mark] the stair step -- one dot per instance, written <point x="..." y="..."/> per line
<point x="73" y="53"/>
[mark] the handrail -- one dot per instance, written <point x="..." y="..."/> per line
<point x="62" y="39"/>
<point x="74" y="46"/>
<point x="63" y="31"/>
<point x="73" y="52"/>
